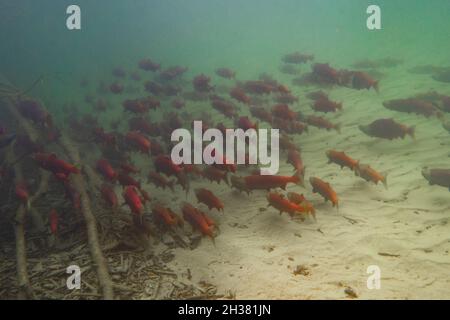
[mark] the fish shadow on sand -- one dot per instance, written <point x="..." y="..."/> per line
<point x="383" y="146"/>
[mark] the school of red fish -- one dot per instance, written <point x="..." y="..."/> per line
<point x="243" y="104"/>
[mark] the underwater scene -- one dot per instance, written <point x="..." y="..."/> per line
<point x="224" y="149"/>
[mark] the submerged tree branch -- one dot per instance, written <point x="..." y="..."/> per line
<point x="80" y="186"/>
<point x="23" y="282"/>
<point x="91" y="225"/>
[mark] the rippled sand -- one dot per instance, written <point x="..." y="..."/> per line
<point x="404" y="230"/>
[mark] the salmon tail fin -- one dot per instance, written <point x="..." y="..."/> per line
<point x="356" y="168"/>
<point x="298" y="179"/>
<point x="302" y="182"/>
<point x="412" y="132"/>
<point x="376" y="86"/>
<point x="385" y="181"/>
<point x="213" y="239"/>
<point x="313" y="215"/>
